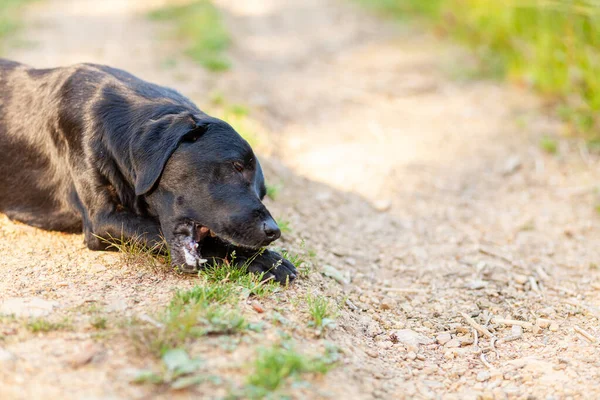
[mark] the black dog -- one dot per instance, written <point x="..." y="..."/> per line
<point x="92" y="147"/>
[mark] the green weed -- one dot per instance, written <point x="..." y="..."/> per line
<point x="200" y="24"/>
<point x="549" y="145"/>
<point x="284" y="226"/>
<point x="43" y="325"/>
<point x="304" y="267"/>
<point x="277" y="365"/>
<point x="238" y="275"/>
<point x="99" y="323"/>
<point x="274" y="190"/>
<point x="200" y="311"/>
<point x="178" y="371"/>
<point x="321" y="313"/>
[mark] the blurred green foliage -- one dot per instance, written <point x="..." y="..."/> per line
<point x="199" y="23"/>
<point x="9" y="16"/>
<point x="550" y="45"/>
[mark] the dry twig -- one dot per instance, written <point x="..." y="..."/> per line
<point x="480" y="328"/>
<point x="485" y="362"/>
<point x="591" y="338"/>
<point x="524" y="324"/>
<point x="495" y="255"/>
<point x="403" y="290"/>
<point x="534" y="285"/>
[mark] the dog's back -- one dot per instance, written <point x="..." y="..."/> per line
<point x="32" y="182"/>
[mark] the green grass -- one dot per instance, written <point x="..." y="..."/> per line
<point x="274" y="190"/>
<point x="178" y="371"/>
<point x="200" y="311"/>
<point x="321" y="312"/>
<point x="43" y="325"/>
<point x="9" y="17"/>
<point x="304" y="268"/>
<point x="245" y="283"/>
<point x="200" y="24"/>
<point x="210" y="308"/>
<point x="237" y="115"/>
<point x="134" y="252"/>
<point x="99" y="323"/>
<point x="284" y="225"/>
<point x="549" y="145"/>
<point x="277" y="365"/>
<point x="550" y="45"/>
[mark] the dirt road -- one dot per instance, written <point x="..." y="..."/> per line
<point x="427" y="191"/>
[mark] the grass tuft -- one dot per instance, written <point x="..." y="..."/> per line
<point x="227" y="272"/>
<point x="178" y="371"/>
<point x="321" y="313"/>
<point x="284" y="225"/>
<point x="43" y="325"/>
<point x="99" y="323"/>
<point x="275" y="366"/>
<point x="274" y="190"/>
<point x="201" y="25"/>
<point x="206" y="309"/>
<point x="136" y="253"/>
<point x="549" y="145"/>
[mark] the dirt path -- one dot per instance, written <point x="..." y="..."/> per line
<point x="430" y="195"/>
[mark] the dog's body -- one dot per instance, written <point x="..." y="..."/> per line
<point x="96" y="149"/>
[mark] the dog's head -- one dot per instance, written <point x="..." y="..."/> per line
<point x="199" y="169"/>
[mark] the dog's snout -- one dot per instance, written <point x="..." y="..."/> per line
<point x="271" y="229"/>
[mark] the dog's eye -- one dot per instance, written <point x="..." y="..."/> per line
<point x="238" y="166"/>
<point x="191" y="137"/>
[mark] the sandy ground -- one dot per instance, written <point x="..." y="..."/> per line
<point x="428" y="192"/>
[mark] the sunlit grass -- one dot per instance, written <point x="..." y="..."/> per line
<point x="37" y="325"/>
<point x="199" y="23"/>
<point x="550" y="45"/>
<point x="10" y="11"/>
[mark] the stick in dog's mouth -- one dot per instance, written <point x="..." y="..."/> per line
<point x="187" y="245"/>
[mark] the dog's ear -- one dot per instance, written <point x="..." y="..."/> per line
<point x="151" y="151"/>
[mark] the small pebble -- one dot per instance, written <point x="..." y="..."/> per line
<point x="521" y="279"/>
<point x="546" y="311"/>
<point x="443" y="338"/>
<point x="543" y="323"/>
<point x="258" y="307"/>
<point x="411" y="355"/>
<point x="453" y="343"/>
<point x="383" y="205"/>
<point x="372" y="353"/>
<point x="6" y="355"/>
<point x="553" y="327"/>
<point x="483" y="376"/>
<point x="386" y="344"/>
<point x="85" y="355"/>
<point x="386" y="304"/>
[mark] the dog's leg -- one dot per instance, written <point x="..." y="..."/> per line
<point x="108" y="228"/>
<point x="269" y="263"/>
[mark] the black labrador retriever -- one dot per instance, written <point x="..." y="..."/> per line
<point x="94" y="148"/>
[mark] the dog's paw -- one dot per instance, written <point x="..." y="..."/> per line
<point x="273" y="266"/>
<point x="184" y="250"/>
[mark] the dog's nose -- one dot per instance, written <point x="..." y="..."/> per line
<point x="271" y="229"/>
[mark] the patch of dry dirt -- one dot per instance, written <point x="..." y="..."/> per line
<point x="430" y="194"/>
